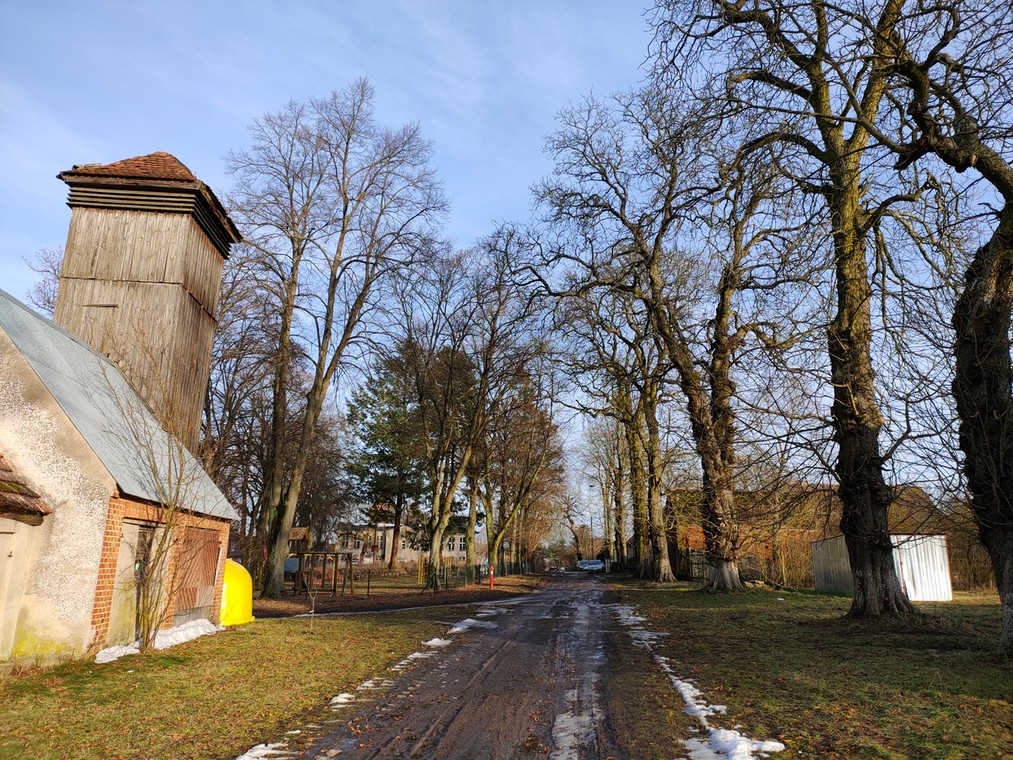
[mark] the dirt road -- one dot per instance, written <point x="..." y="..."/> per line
<point x="517" y="679"/>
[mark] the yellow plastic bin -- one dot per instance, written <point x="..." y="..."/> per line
<point x="237" y="595"/>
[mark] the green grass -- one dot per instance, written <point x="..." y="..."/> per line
<point x="790" y="666"/>
<point x="213" y="697"/>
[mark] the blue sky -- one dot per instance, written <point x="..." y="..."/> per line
<point x="84" y="82"/>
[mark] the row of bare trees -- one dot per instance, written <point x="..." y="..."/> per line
<point x="343" y="280"/>
<point x="769" y="252"/>
<point x="772" y="241"/>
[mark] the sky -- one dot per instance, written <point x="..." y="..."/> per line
<point x="97" y="82"/>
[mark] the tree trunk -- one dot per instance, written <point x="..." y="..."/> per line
<point x="655" y="473"/>
<point x="638" y="494"/>
<point x="619" y="496"/>
<point x="865" y="496"/>
<point x="981" y="388"/>
<point x="469" y="537"/>
<point x="719" y="530"/>
<point x="395" y="538"/>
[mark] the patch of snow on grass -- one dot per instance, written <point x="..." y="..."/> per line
<point x="344" y="698"/>
<point x="437" y="642"/>
<point x="265" y="750"/>
<point x="721" y="743"/>
<point x="163" y="639"/>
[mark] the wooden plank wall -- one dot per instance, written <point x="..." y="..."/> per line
<point x="142" y="288"/>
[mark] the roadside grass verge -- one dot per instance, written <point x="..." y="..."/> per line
<point x="210" y="698"/>
<point x="789" y="666"/>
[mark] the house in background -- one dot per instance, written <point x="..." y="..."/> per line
<point x="98" y="409"/>
<point x="371" y="545"/>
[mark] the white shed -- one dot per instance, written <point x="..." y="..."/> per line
<point x="921" y="563"/>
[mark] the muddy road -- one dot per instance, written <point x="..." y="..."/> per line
<point x="516" y="679"/>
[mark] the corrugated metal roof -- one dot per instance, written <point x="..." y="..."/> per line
<point x="138" y="453"/>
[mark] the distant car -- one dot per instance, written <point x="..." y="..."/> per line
<point x="591" y="565"/>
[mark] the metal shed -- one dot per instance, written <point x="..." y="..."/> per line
<point x="921" y="562"/>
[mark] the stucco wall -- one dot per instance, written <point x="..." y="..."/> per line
<point x="55" y="612"/>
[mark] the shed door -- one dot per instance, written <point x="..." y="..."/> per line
<point x="13" y="563"/>
<point x="8" y="609"/>
<point x="196" y="568"/>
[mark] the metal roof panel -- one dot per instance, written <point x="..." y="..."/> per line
<point x="143" y="459"/>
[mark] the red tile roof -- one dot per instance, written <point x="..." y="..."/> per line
<point x="162" y="166"/>
<point x="16" y="498"/>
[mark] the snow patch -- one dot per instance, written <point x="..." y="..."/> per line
<point x="575" y="727"/>
<point x="467" y="623"/>
<point x="163" y="639"/>
<point x="344" y="698"/>
<point x="721" y="743"/>
<point x="265" y="750"/>
<point x="437" y="642"/>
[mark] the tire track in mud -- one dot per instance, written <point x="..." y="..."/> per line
<point x="520" y="680"/>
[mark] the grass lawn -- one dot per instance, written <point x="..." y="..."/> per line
<point x="211" y="698"/>
<point x="789" y="666"/>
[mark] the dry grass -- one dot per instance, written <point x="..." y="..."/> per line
<point x="219" y="695"/>
<point x="789" y="666"/>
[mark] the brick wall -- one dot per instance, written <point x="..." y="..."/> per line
<point x="121" y="509"/>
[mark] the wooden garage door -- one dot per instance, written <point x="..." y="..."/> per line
<point x="196" y="567"/>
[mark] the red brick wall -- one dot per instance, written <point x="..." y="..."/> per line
<point x="121" y="509"/>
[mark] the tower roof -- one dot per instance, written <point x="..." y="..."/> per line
<point x="157" y="182"/>
<point x="158" y="165"/>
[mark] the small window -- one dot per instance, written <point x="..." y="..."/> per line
<point x="462" y="544"/>
<point x="450" y="545"/>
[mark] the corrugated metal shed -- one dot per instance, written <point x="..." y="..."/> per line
<point x="114" y="421"/>
<point x="921" y="563"/>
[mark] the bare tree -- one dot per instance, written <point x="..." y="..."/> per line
<point x="956" y="103"/>
<point x="629" y="175"/>
<point x="469" y="334"/>
<point x="46" y="262"/>
<point x="336" y="205"/>
<point x="799" y="74"/>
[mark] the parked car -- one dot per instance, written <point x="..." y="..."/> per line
<point x="591" y="565"/>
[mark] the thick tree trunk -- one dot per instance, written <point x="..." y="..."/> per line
<point x="720" y="534"/>
<point x="655" y="472"/>
<point x="981" y="387"/>
<point x="865" y="496"/>
<point x="638" y="494"/>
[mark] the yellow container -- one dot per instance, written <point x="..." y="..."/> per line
<point x="237" y="595"/>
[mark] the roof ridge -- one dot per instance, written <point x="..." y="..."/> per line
<point x="159" y="165"/>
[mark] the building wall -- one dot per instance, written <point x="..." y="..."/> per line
<point x="920" y="561"/>
<point x="143" y="289"/>
<point x="114" y="609"/>
<point x="58" y="561"/>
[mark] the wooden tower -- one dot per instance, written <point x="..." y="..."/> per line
<point x="141" y="278"/>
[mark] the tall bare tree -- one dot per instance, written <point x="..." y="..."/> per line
<point x="799" y="74"/>
<point x="337" y="205"/>
<point x="956" y="105"/>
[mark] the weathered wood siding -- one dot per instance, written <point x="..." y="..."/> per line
<point x="142" y="288"/>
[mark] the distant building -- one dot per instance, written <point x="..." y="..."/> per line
<point x="87" y="406"/>
<point x="371" y="545"/>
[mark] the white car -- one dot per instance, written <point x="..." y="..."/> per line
<point x="591" y="565"/>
